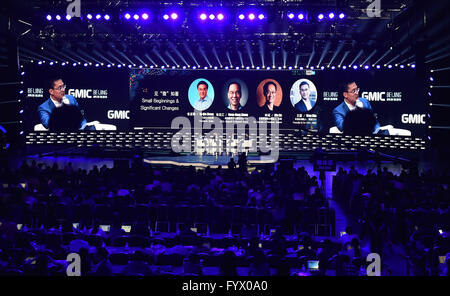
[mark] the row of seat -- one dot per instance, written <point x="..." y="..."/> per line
<point x="170" y="218"/>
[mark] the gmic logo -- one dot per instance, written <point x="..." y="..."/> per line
<point x="413" y="118"/>
<point x="374" y="96"/>
<point x="81" y="93"/>
<point x="118" y="114"/>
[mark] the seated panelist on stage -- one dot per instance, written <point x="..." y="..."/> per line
<point x="352" y="102"/>
<point x="58" y="98"/>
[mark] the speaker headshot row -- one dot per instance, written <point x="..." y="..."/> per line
<point x="269" y="95"/>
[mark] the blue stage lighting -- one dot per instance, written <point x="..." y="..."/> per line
<point x="136" y="16"/>
<point x="301" y="16"/>
<point x="331" y="15"/>
<point x="203" y="16"/>
<point x="174" y="16"/>
<point x="212" y="16"/>
<point x="251" y="16"/>
<point x="145" y="16"/>
<point x="261" y="16"/>
<point x="58" y="17"/>
<point x="68" y="17"/>
<point x="320" y="16"/>
<point x="127" y="16"/>
<point x="49" y="17"/>
<point x="241" y="16"/>
<point x="342" y="16"/>
<point x="291" y="15"/>
<point x="107" y="17"/>
<point x="98" y="16"/>
<point x="89" y="16"/>
<point x="220" y="16"/>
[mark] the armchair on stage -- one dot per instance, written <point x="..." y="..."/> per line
<point x="98" y="126"/>
<point x="392" y="131"/>
<point x="216" y="147"/>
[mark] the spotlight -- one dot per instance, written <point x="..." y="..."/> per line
<point x="89" y="16"/>
<point x="174" y="16"/>
<point x="378" y="66"/>
<point x="119" y="66"/>
<point x="22" y="73"/>
<point x="184" y="67"/>
<point x="49" y="17"/>
<point x="85" y="64"/>
<point x="74" y="64"/>
<point x="109" y="65"/>
<point x="21" y="132"/>
<point x="322" y="68"/>
<point x="413" y="66"/>
<point x="226" y="67"/>
<point x="98" y="16"/>
<point x="390" y="66"/>
<point x="21" y="92"/>
<point x="40" y="63"/>
<point x="107" y="17"/>
<point x="166" y="17"/>
<point x="21" y="111"/>
<point x="321" y="16"/>
<point x="58" y="17"/>
<point x="355" y="67"/>
<point x="333" y="67"/>
<point x="261" y="16"/>
<point x="203" y="16"/>
<point x="431" y="79"/>
<point x="136" y="16"/>
<point x="63" y="64"/>
<point x="342" y="16"/>
<point x="290" y="68"/>
<point x="331" y="16"/>
<point x="68" y="17"/>
<point x="251" y="16"/>
<point x="145" y="16"/>
<point x="344" y="67"/>
<point x="291" y="15"/>
<point x="402" y="66"/>
<point x="51" y="63"/>
<point x="241" y="16"/>
<point x="301" y="16"/>
<point x="97" y="65"/>
<point x="206" y="68"/>
<point x="127" y="16"/>
<point x="220" y="16"/>
<point x="212" y="16"/>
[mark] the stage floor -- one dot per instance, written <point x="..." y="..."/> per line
<point x="205" y="160"/>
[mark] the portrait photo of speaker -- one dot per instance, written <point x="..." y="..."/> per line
<point x="269" y="96"/>
<point x="303" y="95"/>
<point x="58" y="98"/>
<point x="201" y="94"/>
<point x="352" y="102"/>
<point x="235" y="94"/>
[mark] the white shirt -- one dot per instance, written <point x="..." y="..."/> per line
<point x="63" y="101"/>
<point x="307" y="103"/>
<point x="351" y="107"/>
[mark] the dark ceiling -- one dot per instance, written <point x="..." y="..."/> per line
<point x="404" y="30"/>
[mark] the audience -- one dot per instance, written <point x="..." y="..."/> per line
<point x="36" y="231"/>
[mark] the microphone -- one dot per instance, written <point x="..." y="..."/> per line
<point x="359" y="104"/>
